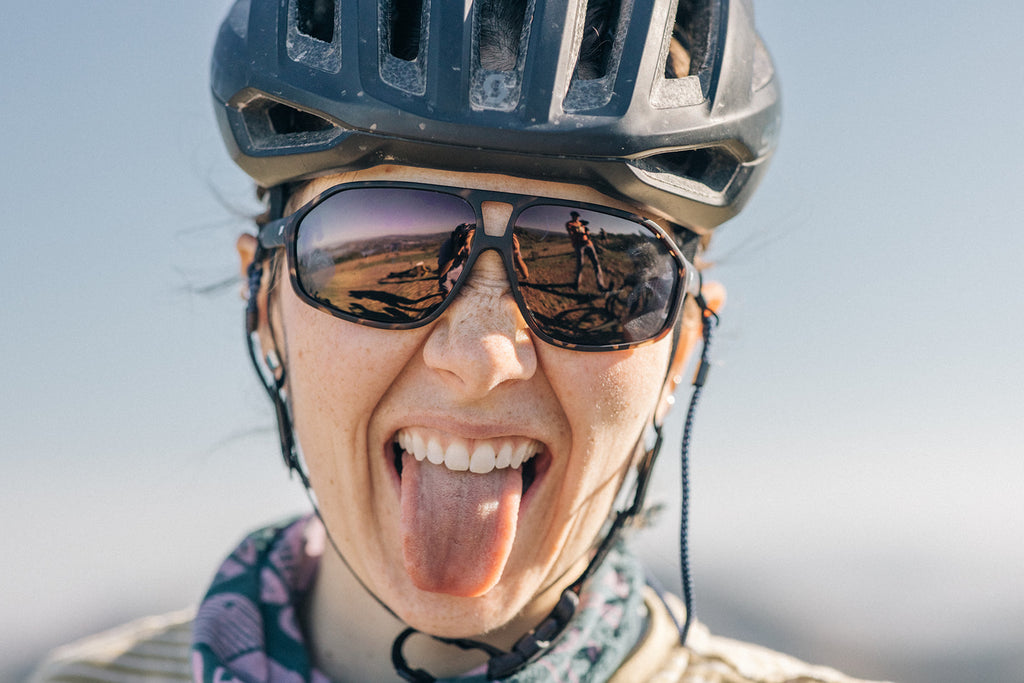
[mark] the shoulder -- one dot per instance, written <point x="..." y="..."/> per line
<point x="149" y="650"/>
<point x="659" y="658"/>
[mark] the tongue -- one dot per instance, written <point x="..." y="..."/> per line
<point x="457" y="527"/>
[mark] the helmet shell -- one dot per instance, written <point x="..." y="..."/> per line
<point x="300" y="92"/>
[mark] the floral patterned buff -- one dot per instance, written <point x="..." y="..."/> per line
<point x="247" y="629"/>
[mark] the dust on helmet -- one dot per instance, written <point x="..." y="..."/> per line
<point x="306" y="87"/>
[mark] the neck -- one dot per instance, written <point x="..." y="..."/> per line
<point x="350" y="634"/>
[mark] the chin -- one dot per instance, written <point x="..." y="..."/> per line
<point x="451" y="616"/>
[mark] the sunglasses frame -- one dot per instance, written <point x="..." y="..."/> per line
<point x="281" y="233"/>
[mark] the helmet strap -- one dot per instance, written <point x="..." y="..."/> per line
<point x="709" y="321"/>
<point x="270" y="369"/>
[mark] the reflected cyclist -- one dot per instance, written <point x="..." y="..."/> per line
<point x="582" y="244"/>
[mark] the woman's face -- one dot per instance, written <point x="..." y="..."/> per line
<point x="457" y="552"/>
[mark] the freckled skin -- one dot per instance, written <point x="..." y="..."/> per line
<point x="477" y="367"/>
<point x="493" y="321"/>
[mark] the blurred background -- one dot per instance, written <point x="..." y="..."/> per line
<point x="858" y="485"/>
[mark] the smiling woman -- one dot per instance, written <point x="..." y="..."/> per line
<point x="470" y="301"/>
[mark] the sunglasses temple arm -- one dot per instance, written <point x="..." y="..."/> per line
<point x="692" y="280"/>
<point x="271" y="235"/>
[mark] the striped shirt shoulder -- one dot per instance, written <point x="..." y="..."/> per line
<point x="149" y="650"/>
<point x="706" y="658"/>
<point x="157" y="650"/>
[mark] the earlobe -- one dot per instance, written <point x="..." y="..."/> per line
<point x="689" y="338"/>
<point x="246" y="246"/>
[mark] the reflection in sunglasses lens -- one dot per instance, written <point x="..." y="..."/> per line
<point x="384" y="254"/>
<point x="594" y="278"/>
<point x="392" y="255"/>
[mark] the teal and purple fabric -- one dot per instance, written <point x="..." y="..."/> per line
<point x="248" y="630"/>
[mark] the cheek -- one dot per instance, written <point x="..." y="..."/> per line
<point x="610" y="393"/>
<point x="338" y="370"/>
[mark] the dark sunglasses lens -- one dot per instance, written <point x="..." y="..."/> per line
<point x="594" y="279"/>
<point x="387" y="255"/>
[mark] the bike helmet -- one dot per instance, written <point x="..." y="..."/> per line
<point x="306" y="87"/>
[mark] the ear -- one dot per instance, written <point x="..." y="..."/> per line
<point x="690" y="336"/>
<point x="246" y="246"/>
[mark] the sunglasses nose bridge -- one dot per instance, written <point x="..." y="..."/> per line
<point x="487" y="269"/>
<point x="504" y="268"/>
<point x="495" y="269"/>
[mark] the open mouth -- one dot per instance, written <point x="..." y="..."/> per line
<point x="461" y="501"/>
<point x="469" y="455"/>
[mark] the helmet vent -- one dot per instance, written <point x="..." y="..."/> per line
<point x="688" y="53"/>
<point x="404" y="36"/>
<point x="501" y="28"/>
<point x="501" y="33"/>
<point x="602" y="34"/>
<point x="312" y="29"/>
<point x="274" y="125"/>
<point x="711" y="167"/>
<point x="691" y="38"/>
<point x="285" y="120"/>
<point x="315" y="18"/>
<point x="403" y="43"/>
<point x="598" y="40"/>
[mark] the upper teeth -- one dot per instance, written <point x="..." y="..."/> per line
<point x="460" y="455"/>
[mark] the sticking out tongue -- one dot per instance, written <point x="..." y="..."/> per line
<point x="457" y="527"/>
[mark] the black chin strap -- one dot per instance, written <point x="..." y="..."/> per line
<point x="271" y="372"/>
<point x="501" y="663"/>
<point x="709" y="321"/>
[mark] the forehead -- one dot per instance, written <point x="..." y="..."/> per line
<point x="479" y="181"/>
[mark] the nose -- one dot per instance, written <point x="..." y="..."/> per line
<point x="481" y="340"/>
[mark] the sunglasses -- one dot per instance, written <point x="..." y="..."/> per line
<point x="393" y="255"/>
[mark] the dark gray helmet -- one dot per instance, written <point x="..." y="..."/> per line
<point x="305" y="87"/>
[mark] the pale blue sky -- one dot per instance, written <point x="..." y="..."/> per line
<point x="859" y="485"/>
